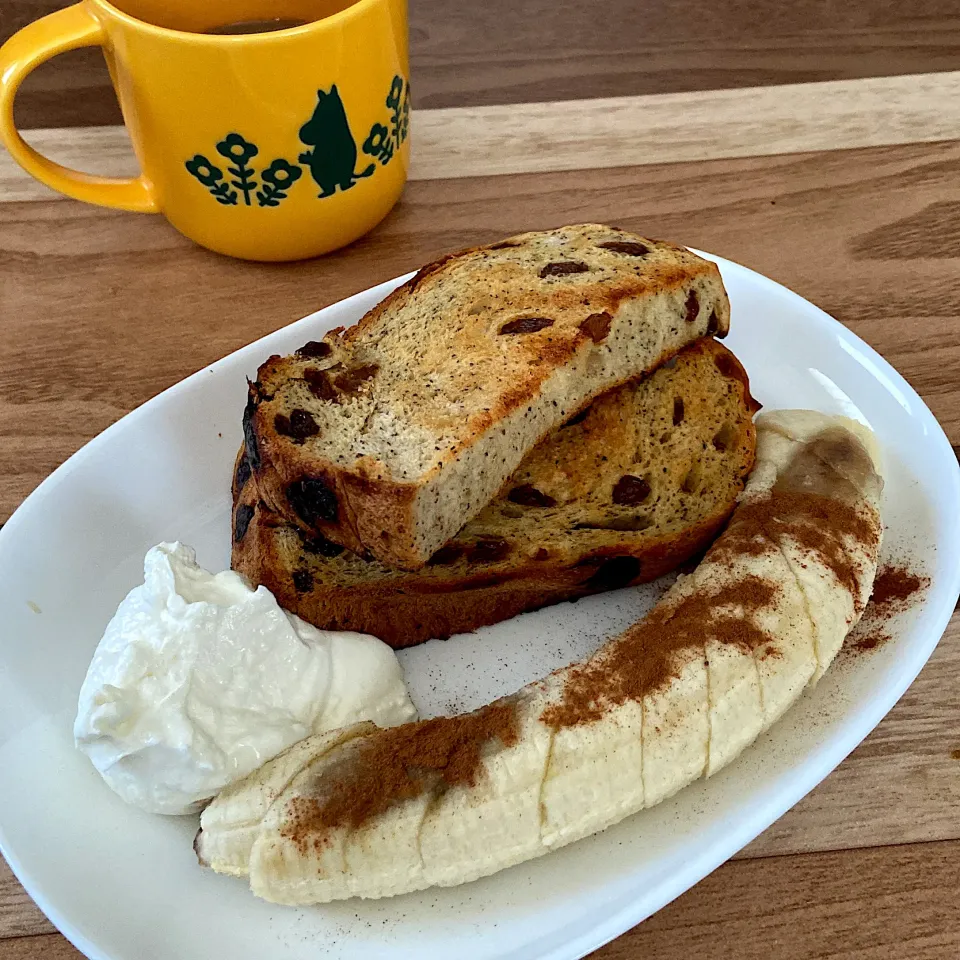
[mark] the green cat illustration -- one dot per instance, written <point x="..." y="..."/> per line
<point x="334" y="154"/>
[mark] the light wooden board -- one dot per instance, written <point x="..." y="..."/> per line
<point x="19" y="915"/>
<point x="895" y="903"/>
<point x="611" y="132"/>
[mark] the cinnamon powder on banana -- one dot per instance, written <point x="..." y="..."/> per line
<point x="399" y="764"/>
<point x="651" y="653"/>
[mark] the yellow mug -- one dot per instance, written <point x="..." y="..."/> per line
<point x="272" y="145"/>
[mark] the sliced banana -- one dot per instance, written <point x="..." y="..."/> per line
<point x="762" y="617"/>
<point x="735" y="702"/>
<point x="293" y="865"/>
<point x="595" y="774"/>
<point x="839" y="458"/>
<point x="676" y="729"/>
<point x="229" y="826"/>
<point x="473" y="830"/>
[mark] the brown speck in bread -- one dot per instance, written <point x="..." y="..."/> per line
<point x="628" y="248"/>
<point x="450" y="553"/>
<point x="713" y="324"/>
<point x="597" y="326"/>
<point x="578" y="418"/>
<point x="241" y="521"/>
<point x="312" y="500"/>
<point x="320" y="546"/>
<point x="315" y="350"/>
<point x="677" y="411"/>
<point x="320" y="384"/>
<point x="691" y="308"/>
<point x="542" y="554"/>
<point x="630" y="490"/>
<point x="351" y="380"/>
<point x="639" y="522"/>
<point x="302" y="581"/>
<point x="563" y="268"/>
<point x="691" y="480"/>
<point x="243" y="473"/>
<point x="613" y="573"/>
<point x="526" y="325"/>
<point x="488" y="550"/>
<point x="249" y="435"/>
<point x="724" y="437"/>
<point x="299" y="426"/>
<point x="528" y="495"/>
<point x="725" y="365"/>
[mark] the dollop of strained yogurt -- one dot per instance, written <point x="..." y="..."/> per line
<point x="200" y="679"/>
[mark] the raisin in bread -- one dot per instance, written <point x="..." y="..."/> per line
<point x="621" y="494"/>
<point x="389" y="436"/>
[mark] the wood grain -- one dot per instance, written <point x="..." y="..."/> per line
<point x="892" y="903"/>
<point x="614" y="132"/>
<point x="19" y="915"/>
<point x="504" y="52"/>
<point x="49" y="947"/>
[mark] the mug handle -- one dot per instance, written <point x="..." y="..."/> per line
<point x="25" y="51"/>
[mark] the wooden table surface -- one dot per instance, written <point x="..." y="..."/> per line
<point x="672" y="119"/>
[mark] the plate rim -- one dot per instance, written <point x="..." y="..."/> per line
<point x="773" y="801"/>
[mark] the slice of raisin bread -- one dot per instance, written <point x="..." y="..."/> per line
<point x="389" y="436"/>
<point x="621" y="494"/>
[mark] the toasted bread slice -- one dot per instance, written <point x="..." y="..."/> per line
<point x="388" y="437"/>
<point x="640" y="483"/>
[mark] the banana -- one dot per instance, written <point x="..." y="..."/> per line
<point x="231" y="825"/>
<point x="371" y="813"/>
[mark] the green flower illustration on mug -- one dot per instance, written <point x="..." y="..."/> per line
<point x="379" y="143"/>
<point x="382" y="141"/>
<point x="274" y="180"/>
<point x="211" y="176"/>
<point x="235" y="148"/>
<point x="277" y="179"/>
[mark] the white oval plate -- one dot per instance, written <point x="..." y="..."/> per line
<point x="125" y="885"/>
